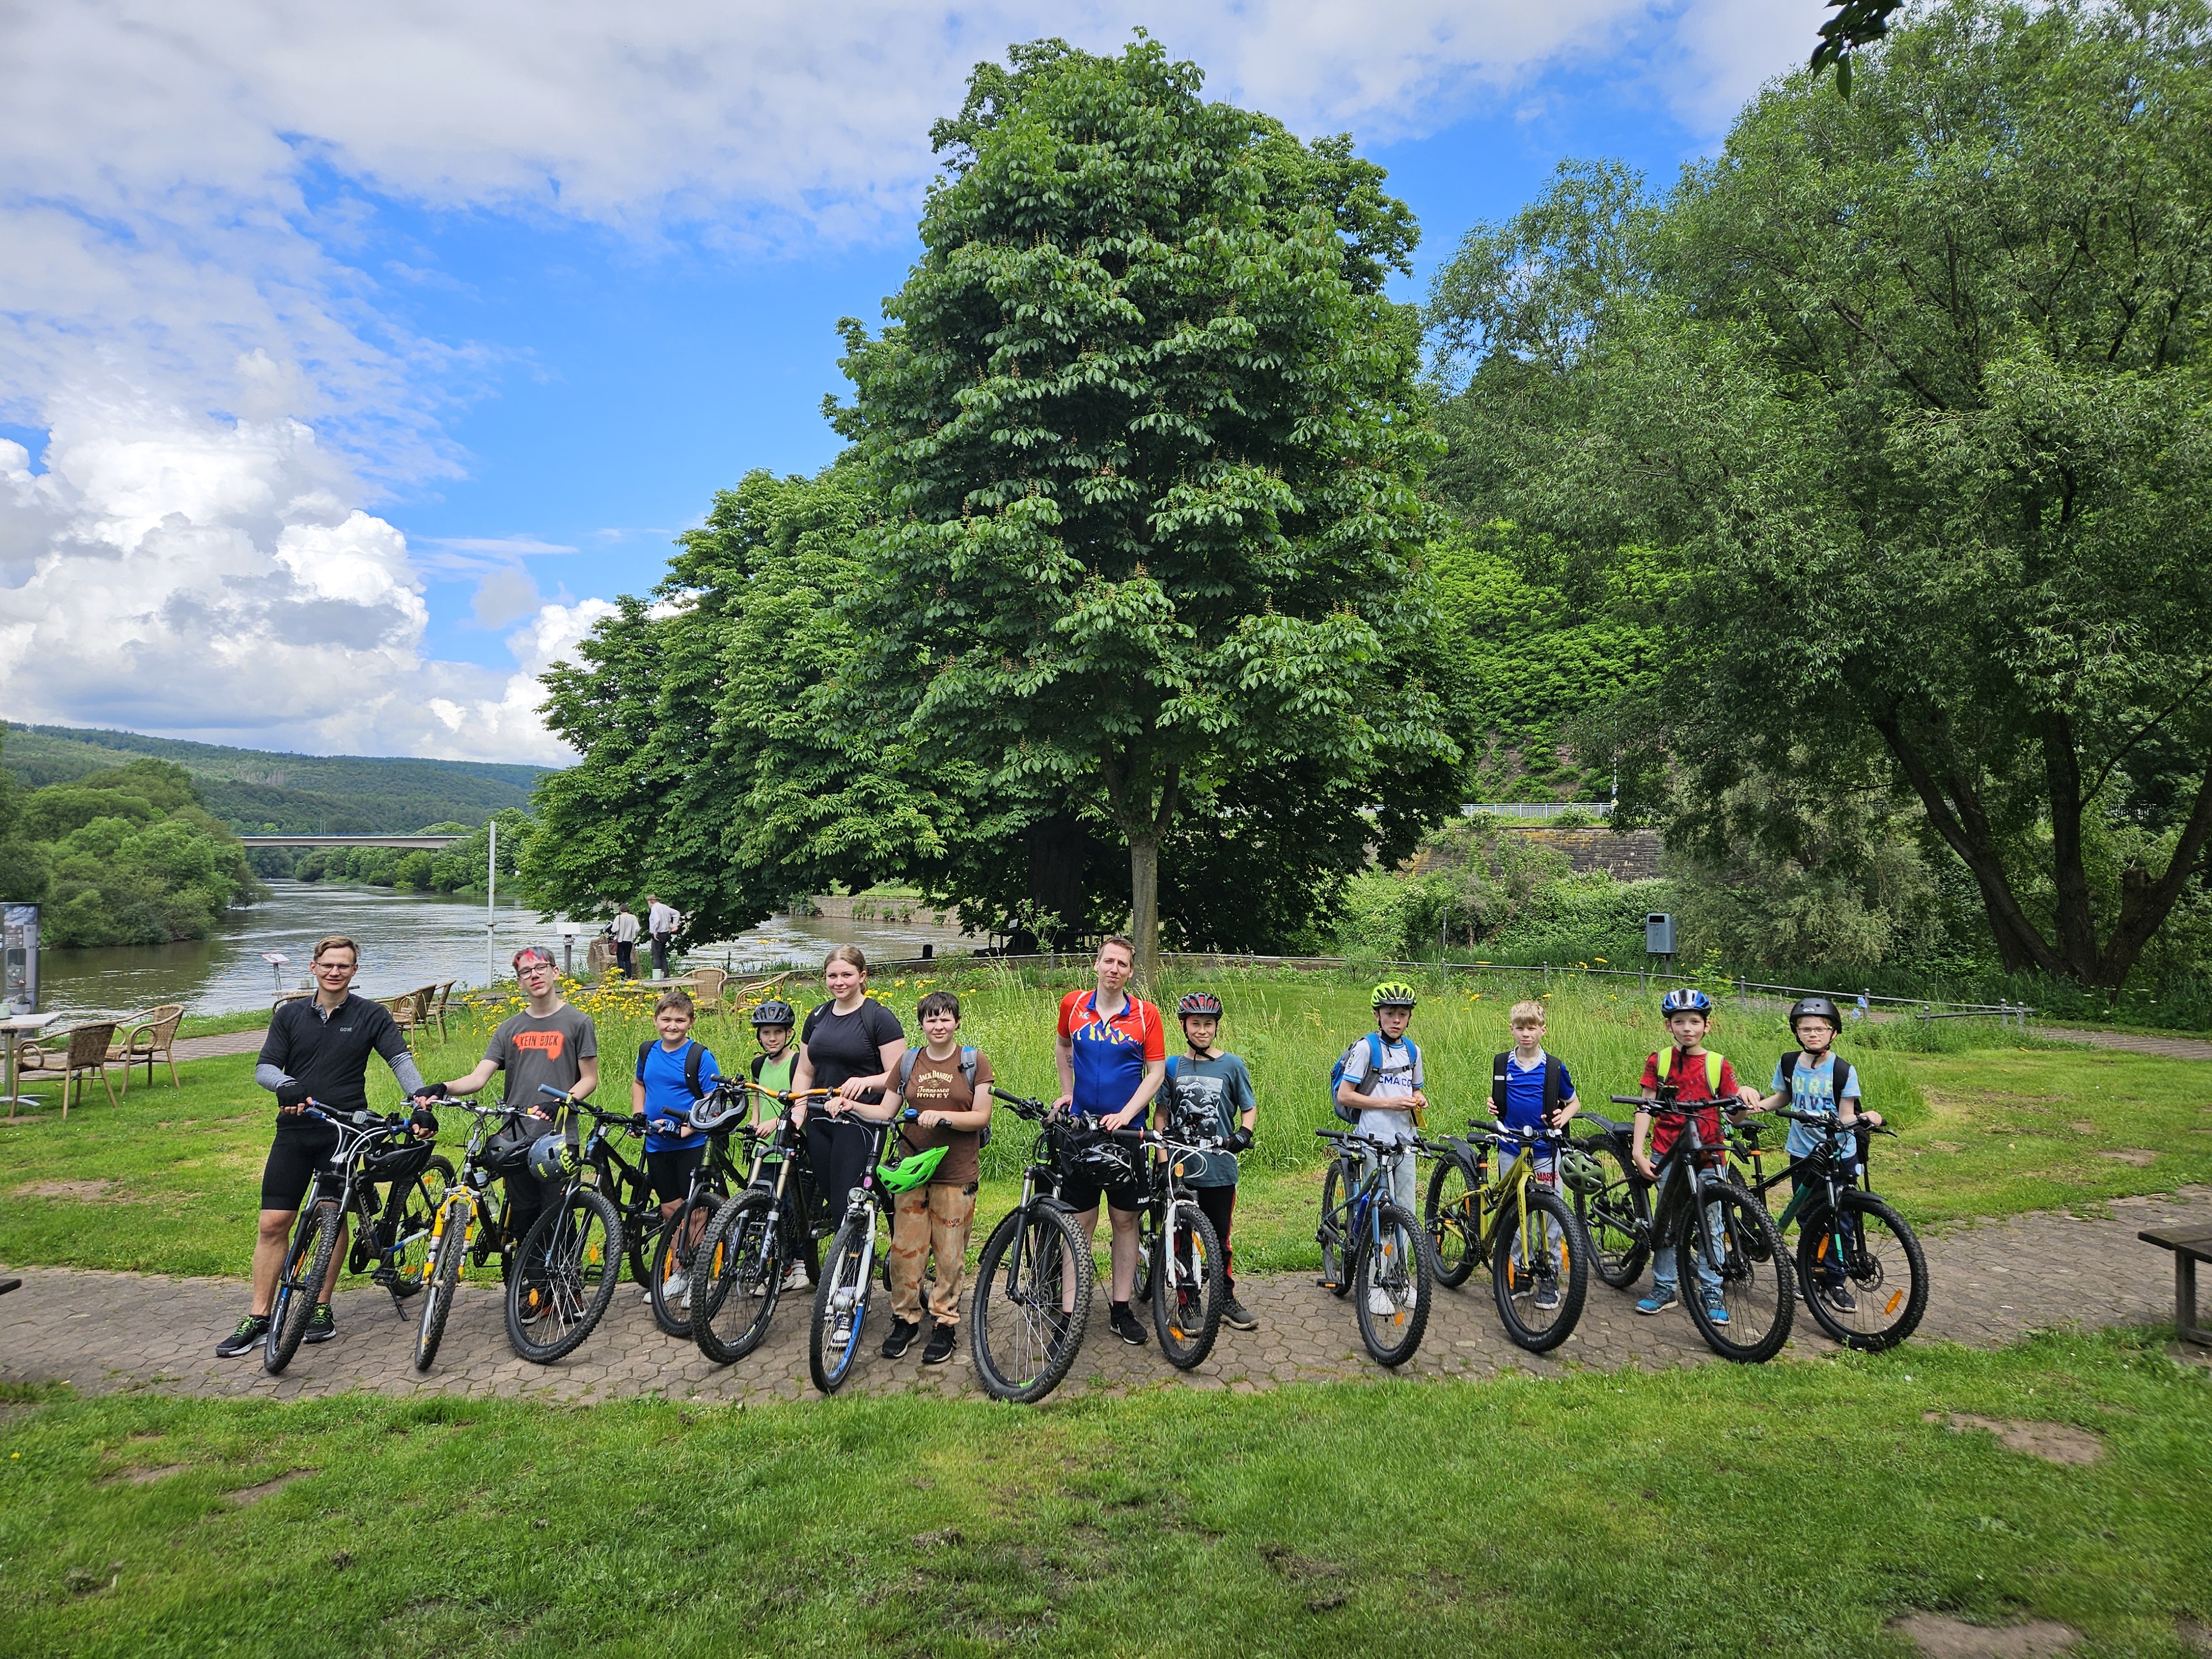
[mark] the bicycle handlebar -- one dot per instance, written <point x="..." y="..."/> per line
<point x="1814" y="1122"/>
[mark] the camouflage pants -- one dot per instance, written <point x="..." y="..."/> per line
<point x="935" y="1220"/>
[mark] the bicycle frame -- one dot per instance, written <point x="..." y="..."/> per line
<point x="466" y="1197"/>
<point x="1365" y="1182"/>
<point x="343" y="1167"/>
<point x="1505" y="1183"/>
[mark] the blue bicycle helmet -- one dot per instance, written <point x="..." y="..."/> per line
<point x="1690" y="1001"/>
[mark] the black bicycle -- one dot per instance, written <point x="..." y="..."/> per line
<point x="755" y="1239"/>
<point x="471" y="1218"/>
<point x="1611" y="1200"/>
<point x="1860" y="1268"/>
<point x="1373" y="1245"/>
<point x="570" y="1260"/>
<point x="370" y="1149"/>
<point x="1180" y="1269"/>
<point x="670" y="1258"/>
<point x="1034" y="1280"/>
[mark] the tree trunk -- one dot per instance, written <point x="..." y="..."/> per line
<point x="1144" y="909"/>
<point x="1058" y="847"/>
<point x="1143" y="810"/>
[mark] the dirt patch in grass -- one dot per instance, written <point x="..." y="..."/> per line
<point x="2135" y="1156"/>
<point x="144" y="1476"/>
<point x="245" y="1497"/>
<point x="2054" y="1443"/>
<point x="1941" y="1637"/>
<point x="1297" y="1568"/>
<point x="81" y="1192"/>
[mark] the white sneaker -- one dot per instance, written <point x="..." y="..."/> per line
<point x="1380" y="1304"/>
<point x="678" y="1288"/>
<point x="795" y="1279"/>
<point x="685" y="1304"/>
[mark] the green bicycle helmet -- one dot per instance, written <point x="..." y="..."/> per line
<point x="909" y="1173"/>
<point x="1580" y="1172"/>
<point x="1393" y="994"/>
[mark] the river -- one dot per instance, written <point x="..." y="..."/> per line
<point x="407" y="940"/>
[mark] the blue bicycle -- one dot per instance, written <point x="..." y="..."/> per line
<point x="1374" y="1248"/>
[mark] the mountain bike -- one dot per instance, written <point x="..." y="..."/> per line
<point x="676" y="1242"/>
<point x="849" y="1271"/>
<point x="1033" y="1281"/>
<point x="1538" y="1253"/>
<point x="468" y="1214"/>
<point x="1612" y="1201"/>
<point x="345" y="1186"/>
<point x="754" y="1239"/>
<point x="1180" y="1267"/>
<point x="1373" y="1246"/>
<point x="1860" y="1269"/>
<point x="1717" y="1228"/>
<point x="570" y="1260"/>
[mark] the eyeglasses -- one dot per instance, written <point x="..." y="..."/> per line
<point x="533" y="968"/>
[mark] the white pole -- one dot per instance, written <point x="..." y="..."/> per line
<point x="491" y="914"/>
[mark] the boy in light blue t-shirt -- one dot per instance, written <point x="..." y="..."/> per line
<point x="1819" y="1083"/>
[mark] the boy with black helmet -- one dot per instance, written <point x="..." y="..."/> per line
<point x="1214" y="1087"/>
<point x="1820" y="1082"/>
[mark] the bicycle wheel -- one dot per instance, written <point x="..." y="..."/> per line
<point x="1865" y="1280"/>
<point x="1540" y="1277"/>
<point x="1335" y="1270"/>
<point x="1140" y="1281"/>
<point x="565" y="1275"/>
<point x="1022" y="1343"/>
<point x="1755" y="1288"/>
<point x="672" y="1258"/>
<point x="738" y="1279"/>
<point x="314" y="1243"/>
<point x="418" y="1213"/>
<point x="1617" y="1220"/>
<point x="1391" y="1294"/>
<point x="1189" y="1285"/>
<point x="444" y="1283"/>
<point x="840" y="1306"/>
<point x="1453" y="1218"/>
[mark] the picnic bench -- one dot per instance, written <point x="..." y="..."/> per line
<point x="2190" y="1245"/>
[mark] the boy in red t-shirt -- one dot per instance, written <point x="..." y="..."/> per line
<point x="1112" y="1056"/>
<point x="1687" y="1073"/>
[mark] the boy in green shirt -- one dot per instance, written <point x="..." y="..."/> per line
<point x="772" y="1069"/>
<point x="1214" y="1091"/>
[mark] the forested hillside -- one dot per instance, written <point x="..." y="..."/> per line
<point x="257" y="791"/>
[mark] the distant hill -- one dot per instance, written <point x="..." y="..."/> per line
<point x="257" y="791"/>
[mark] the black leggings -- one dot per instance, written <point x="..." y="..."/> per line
<point x="1218" y="1204"/>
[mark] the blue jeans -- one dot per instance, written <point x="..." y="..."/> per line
<point x="1662" y="1255"/>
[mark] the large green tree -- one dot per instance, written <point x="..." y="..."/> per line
<point x="1144" y="427"/>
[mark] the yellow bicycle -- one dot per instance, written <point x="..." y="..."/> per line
<point x="467" y="1202"/>
<point x="1515" y="1221"/>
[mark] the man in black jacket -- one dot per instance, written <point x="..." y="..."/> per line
<point x="317" y="1050"/>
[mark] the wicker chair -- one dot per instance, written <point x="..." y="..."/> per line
<point x="88" y="1051"/>
<point x="707" y="989"/>
<point x="434" y="1005"/>
<point x="145" y="1037"/>
<point x="406" y="1012"/>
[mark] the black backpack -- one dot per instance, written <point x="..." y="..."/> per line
<point x="1838" y="1079"/>
<point x="1553" y="1071"/>
<point x="691" y="1063"/>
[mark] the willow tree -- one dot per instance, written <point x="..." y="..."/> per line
<point x="1141" y="422"/>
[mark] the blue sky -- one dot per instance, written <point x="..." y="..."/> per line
<point x="356" y="360"/>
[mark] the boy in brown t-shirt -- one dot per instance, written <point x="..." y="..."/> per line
<point x="950" y="1089"/>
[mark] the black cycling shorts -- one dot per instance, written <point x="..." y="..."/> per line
<point x="297" y="1152"/>
<point x="670" y="1172"/>
<point x="1080" y="1193"/>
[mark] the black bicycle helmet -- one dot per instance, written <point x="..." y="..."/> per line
<point x="1199" y="1002"/>
<point x="1687" y="1000"/>
<point x="1815" y="1008"/>
<point x="774" y="1011"/>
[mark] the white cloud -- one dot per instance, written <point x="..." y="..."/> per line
<point x="226" y="398"/>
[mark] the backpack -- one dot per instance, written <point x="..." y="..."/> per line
<point x="967" y="1070"/>
<point x="1838" y="1079"/>
<point x="1553" y="1069"/>
<point x="1712" y="1071"/>
<point x="1374" y="1041"/>
<point x="690" y="1066"/>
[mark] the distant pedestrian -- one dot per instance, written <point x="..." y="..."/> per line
<point x="625" y="941"/>
<point x="660" y="921"/>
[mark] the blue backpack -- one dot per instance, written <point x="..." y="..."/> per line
<point x="1374" y="1041"/>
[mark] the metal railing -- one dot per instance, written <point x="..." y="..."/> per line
<point x="1536" y="809"/>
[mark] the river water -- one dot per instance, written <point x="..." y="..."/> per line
<point x="407" y="940"/>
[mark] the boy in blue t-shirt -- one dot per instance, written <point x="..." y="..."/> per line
<point x="673" y="1076"/>
<point x="1820" y="1083"/>
<point x="1213" y="1087"/>
<point x="1530" y="1090"/>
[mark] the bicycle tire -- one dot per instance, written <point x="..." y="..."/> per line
<point x="575" y="1271"/>
<point x="1023" y="1351"/>
<point x="288" y="1322"/>
<point x="1617" y="1221"/>
<point x="1335" y="1271"/>
<point x="1510" y="1283"/>
<point x="1186" y="1334"/>
<point x="1453" y="1220"/>
<point x="1141" y="1278"/>
<point x="743" y="1247"/>
<point x="1394" y="1342"/>
<point x="669" y="1256"/>
<point x="1868" y="1277"/>
<point x="444" y="1283"/>
<point x="1759" y="1320"/>
<point x="418" y="1213"/>
<point x="828" y="1360"/>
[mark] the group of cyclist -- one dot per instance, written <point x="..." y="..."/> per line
<point x="848" y="1065"/>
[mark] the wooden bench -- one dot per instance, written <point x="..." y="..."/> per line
<point x="2190" y="1245"/>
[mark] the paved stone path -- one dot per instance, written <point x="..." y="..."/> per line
<point x="1989" y="1283"/>
<point x="2133" y="1042"/>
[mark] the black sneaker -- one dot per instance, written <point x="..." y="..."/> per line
<point x="1126" y="1326"/>
<point x="1237" y="1317"/>
<point x="900" y="1338"/>
<point x="321" y="1328"/>
<point x="248" y="1337"/>
<point x="942" y="1341"/>
<point x="1840" y="1298"/>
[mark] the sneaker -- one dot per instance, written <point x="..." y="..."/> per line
<point x="900" y="1338"/>
<point x="677" y="1289"/>
<point x="536" y="1305"/>
<point x="795" y="1279"/>
<point x="1379" y="1302"/>
<point x="942" y="1341"/>
<point x="248" y="1335"/>
<point x="321" y="1328"/>
<point x="1237" y="1317"/>
<point x="1547" y="1297"/>
<point x="1662" y="1297"/>
<point x="1716" y="1309"/>
<point x="1125" y="1326"/>
<point x="1840" y="1299"/>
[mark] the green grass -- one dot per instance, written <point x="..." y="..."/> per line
<point x="244" y="1019"/>
<point x="1786" y="1509"/>
<point x="1988" y="1131"/>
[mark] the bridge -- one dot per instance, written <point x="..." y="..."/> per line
<point x="422" y="843"/>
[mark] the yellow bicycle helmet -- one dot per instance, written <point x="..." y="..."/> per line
<point x="1393" y="994"/>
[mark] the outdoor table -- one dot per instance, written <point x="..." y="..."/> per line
<point x="13" y="1029"/>
<point x="2190" y="1245"/>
